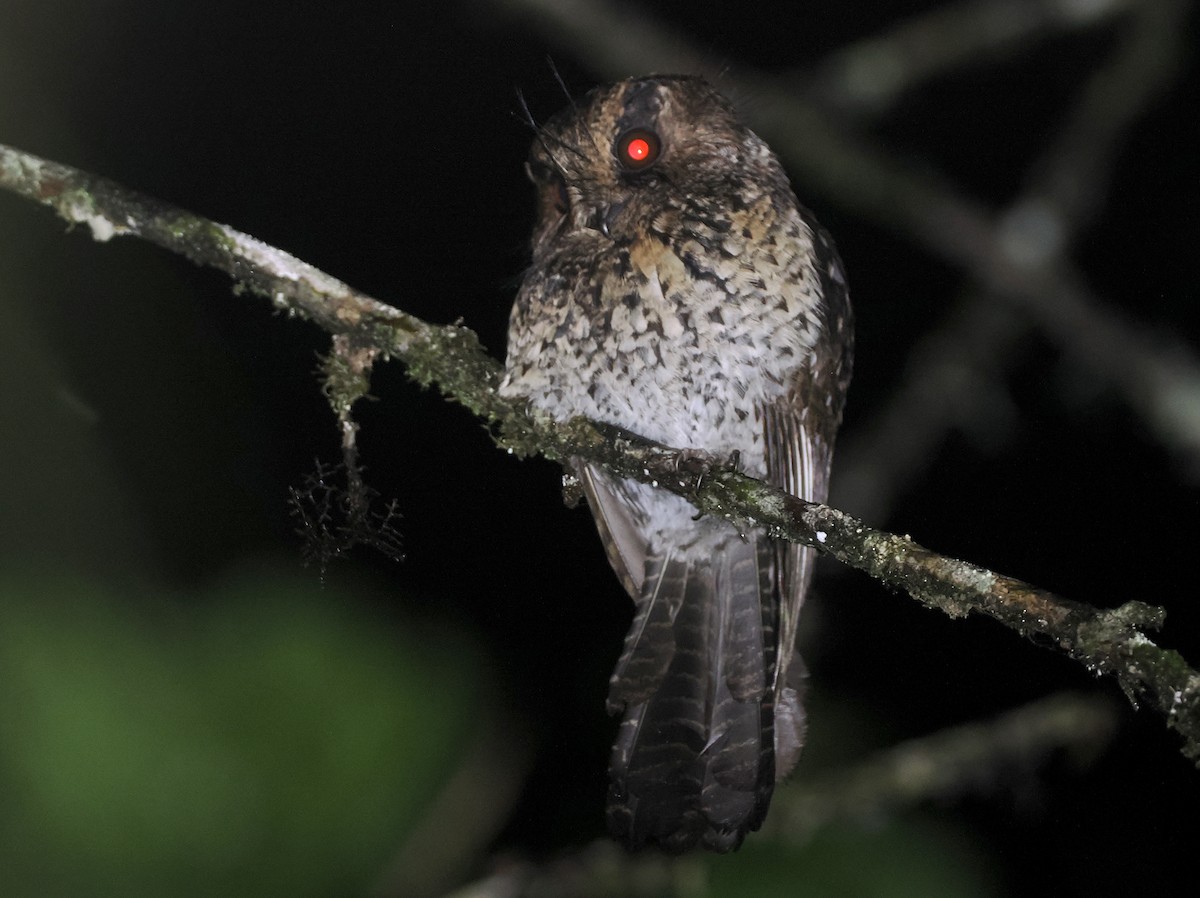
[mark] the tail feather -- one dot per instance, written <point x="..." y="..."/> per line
<point x="694" y="759"/>
<point x="791" y="723"/>
<point x="650" y="644"/>
<point x="745" y="628"/>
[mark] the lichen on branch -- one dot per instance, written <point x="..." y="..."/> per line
<point x="451" y="358"/>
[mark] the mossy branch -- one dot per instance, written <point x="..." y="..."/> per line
<point x="451" y="358"/>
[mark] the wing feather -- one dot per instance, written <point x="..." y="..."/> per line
<point x="799" y="431"/>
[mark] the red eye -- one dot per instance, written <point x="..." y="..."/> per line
<point x="638" y="149"/>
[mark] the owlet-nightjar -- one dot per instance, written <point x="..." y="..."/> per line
<point x="679" y="291"/>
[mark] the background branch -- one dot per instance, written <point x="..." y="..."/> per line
<point x="969" y="759"/>
<point x="867" y="76"/>
<point x="955" y="375"/>
<point x="973" y="759"/>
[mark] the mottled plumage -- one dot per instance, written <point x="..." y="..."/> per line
<point x="679" y="291"/>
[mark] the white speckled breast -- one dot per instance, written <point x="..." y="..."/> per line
<point x="681" y="360"/>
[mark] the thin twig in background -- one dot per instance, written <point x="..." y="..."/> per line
<point x="971" y="759"/>
<point x="953" y="379"/>
<point x="868" y="76"/>
<point x="976" y="758"/>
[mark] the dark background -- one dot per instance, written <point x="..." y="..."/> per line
<point x="153" y="421"/>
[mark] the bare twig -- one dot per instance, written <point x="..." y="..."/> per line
<point x="953" y="377"/>
<point x="865" y="77"/>
<point x="1072" y="176"/>
<point x="988" y="757"/>
<point x="1106" y="641"/>
<point x="953" y="380"/>
<point x="969" y="759"/>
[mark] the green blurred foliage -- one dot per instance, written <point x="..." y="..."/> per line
<point x="267" y="738"/>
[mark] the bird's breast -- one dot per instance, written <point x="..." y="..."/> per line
<point x="670" y="339"/>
